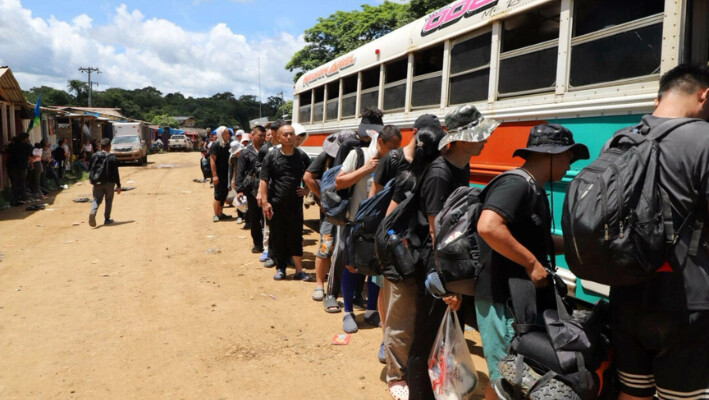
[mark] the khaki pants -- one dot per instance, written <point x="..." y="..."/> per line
<point x="400" y="303"/>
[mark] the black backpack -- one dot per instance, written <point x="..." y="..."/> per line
<point x="364" y="227"/>
<point x="555" y="353"/>
<point x="617" y="220"/>
<point x="97" y="172"/>
<point x="58" y="154"/>
<point x="401" y="232"/>
<point x="336" y="202"/>
<point x="460" y="254"/>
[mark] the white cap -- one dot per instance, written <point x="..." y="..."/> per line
<point x="239" y="132"/>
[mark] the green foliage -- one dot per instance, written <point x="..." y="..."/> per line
<point x="50" y="96"/>
<point x="284" y="109"/>
<point x="164" y="120"/>
<point x="345" y="31"/>
<point x="421" y="8"/>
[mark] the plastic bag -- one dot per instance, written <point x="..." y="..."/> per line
<point x="450" y="367"/>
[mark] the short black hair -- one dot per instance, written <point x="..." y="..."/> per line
<point x="276" y="125"/>
<point x="389" y="132"/>
<point x="687" y="78"/>
<point x="259" y="128"/>
<point x="105" y="142"/>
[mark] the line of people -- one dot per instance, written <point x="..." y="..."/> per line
<point x="648" y="319"/>
<point x="30" y="168"/>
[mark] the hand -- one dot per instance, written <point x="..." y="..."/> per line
<point x="215" y="180"/>
<point x="301" y="191"/>
<point x="118" y="190"/>
<point x="538" y="275"/>
<point x="267" y="211"/>
<point x="371" y="164"/>
<point x="453" y="300"/>
<point x="239" y="195"/>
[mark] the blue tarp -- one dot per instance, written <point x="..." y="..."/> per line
<point x="173" y="131"/>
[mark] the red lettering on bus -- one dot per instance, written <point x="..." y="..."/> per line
<point x="453" y="13"/>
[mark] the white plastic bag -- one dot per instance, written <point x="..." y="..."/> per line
<point x="450" y="367"/>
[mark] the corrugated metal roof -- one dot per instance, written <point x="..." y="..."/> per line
<point x="9" y="88"/>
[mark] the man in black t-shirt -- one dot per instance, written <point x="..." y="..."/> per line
<point x="660" y="327"/>
<point x="18" y="161"/>
<point x="281" y="199"/>
<point x="467" y="134"/>
<point x="219" y="161"/>
<point x="246" y="174"/>
<point x="516" y="224"/>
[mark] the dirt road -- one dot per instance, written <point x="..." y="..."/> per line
<point x="143" y="309"/>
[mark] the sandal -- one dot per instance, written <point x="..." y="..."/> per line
<point x="399" y="390"/>
<point x="318" y="294"/>
<point x="330" y="304"/>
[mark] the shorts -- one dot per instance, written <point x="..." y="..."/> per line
<point x="221" y="190"/>
<point x="327" y="239"/>
<point x="663" y="354"/>
<point x="496" y="333"/>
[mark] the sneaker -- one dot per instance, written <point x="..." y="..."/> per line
<point x="301" y="276"/>
<point x="279" y="275"/>
<point x="264" y="256"/>
<point x="269" y="263"/>
<point x="349" y="325"/>
<point x="215" y="218"/>
<point x="224" y="216"/>
<point x="108" y="221"/>
<point x="92" y="220"/>
<point x="239" y="220"/>
<point x="373" y="319"/>
<point x="380" y="354"/>
<point x="256" y="250"/>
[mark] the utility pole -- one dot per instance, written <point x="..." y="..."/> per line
<point x="259" y="87"/>
<point x="89" y="70"/>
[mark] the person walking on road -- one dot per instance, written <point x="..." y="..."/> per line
<point x="104" y="177"/>
<point x="219" y="162"/>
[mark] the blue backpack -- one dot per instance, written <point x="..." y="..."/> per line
<point x="335" y="202"/>
<point x="364" y="227"/>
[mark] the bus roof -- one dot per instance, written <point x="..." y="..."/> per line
<point x="453" y="20"/>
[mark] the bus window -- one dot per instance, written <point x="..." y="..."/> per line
<point x="318" y="105"/>
<point x="333" y="98"/>
<point x="370" y="88"/>
<point x="304" y="109"/>
<point x="530" y="38"/>
<point x="395" y="84"/>
<point x="349" y="96"/>
<point x="426" y="88"/>
<point x="470" y="69"/>
<point x="615" y="40"/>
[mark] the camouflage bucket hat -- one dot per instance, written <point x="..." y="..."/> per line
<point x="466" y="124"/>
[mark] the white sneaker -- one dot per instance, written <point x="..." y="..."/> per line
<point x="239" y="220"/>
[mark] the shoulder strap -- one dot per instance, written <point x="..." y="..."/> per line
<point x="360" y="157"/>
<point x="665" y="128"/>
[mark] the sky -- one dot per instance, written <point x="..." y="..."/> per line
<point x="195" y="47"/>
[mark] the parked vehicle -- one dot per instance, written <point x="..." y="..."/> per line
<point x="179" y="142"/>
<point x="131" y="142"/>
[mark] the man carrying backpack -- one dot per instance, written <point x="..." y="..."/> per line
<point x="104" y="176"/>
<point x="659" y="327"/>
<point x="516" y="223"/>
<point x="247" y="184"/>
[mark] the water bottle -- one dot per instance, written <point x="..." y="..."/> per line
<point x="402" y="253"/>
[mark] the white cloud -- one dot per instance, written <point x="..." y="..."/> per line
<point x="134" y="52"/>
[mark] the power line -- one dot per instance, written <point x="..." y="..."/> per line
<point x="89" y="70"/>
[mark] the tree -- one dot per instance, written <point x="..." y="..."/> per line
<point x="80" y="90"/>
<point x="285" y="109"/>
<point x="421" y="8"/>
<point x="50" y="96"/>
<point x="164" y="120"/>
<point x="345" y="31"/>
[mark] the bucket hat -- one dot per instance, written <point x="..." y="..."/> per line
<point x="552" y="139"/>
<point x="466" y="124"/>
<point x="332" y="143"/>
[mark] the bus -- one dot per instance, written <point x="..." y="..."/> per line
<point x="590" y="65"/>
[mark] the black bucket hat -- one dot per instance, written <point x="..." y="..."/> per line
<point x="552" y="139"/>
